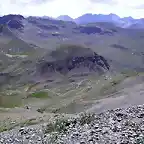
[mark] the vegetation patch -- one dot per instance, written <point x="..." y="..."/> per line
<point x="10" y="101"/>
<point x="86" y="118"/>
<point x="60" y="125"/>
<point x="9" y="125"/>
<point x="40" y="94"/>
<point x="28" y="122"/>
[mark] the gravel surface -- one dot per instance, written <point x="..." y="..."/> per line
<point x="119" y="126"/>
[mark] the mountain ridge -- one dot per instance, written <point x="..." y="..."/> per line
<point x="72" y="66"/>
<point x="124" y="22"/>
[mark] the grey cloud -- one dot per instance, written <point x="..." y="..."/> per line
<point x="109" y="2"/>
<point x="25" y="3"/>
<point x="139" y="7"/>
<point x="40" y="1"/>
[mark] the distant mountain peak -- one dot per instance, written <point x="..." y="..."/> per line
<point x="65" y="18"/>
<point x="91" y="18"/>
<point x="130" y="18"/>
<point x="112" y="14"/>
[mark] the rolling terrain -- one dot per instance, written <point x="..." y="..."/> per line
<point x="49" y="67"/>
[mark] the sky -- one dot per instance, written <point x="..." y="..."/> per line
<point x="73" y="8"/>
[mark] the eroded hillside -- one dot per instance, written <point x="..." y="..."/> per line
<point x="50" y="66"/>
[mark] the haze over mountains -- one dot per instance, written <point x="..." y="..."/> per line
<point x="113" y="18"/>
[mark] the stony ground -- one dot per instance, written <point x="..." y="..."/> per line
<point x="119" y="126"/>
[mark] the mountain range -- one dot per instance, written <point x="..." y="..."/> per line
<point x="126" y="22"/>
<point x="41" y="35"/>
<point x="67" y="66"/>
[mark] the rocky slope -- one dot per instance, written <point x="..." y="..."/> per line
<point x="122" y="125"/>
<point x="69" y="57"/>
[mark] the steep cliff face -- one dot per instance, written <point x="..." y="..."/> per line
<point x="69" y="58"/>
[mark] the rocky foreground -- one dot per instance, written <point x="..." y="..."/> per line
<point x="119" y="126"/>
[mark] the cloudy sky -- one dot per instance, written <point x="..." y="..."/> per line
<point x="73" y="8"/>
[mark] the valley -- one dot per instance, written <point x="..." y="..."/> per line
<point x="52" y="68"/>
